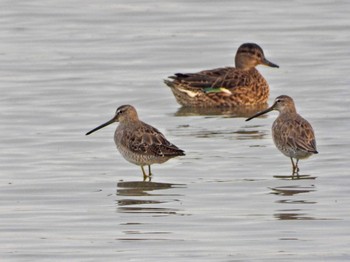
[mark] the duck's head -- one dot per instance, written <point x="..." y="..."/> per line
<point x="250" y="55"/>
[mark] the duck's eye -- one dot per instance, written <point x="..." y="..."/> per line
<point x="278" y="100"/>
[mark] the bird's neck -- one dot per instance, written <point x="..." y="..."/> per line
<point x="289" y="112"/>
<point x="243" y="64"/>
<point x="130" y="122"/>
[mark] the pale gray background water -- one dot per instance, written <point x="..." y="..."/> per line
<point x="67" y="65"/>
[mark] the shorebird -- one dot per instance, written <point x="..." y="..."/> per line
<point x="291" y="133"/>
<point x="138" y="142"/>
<point x="241" y="85"/>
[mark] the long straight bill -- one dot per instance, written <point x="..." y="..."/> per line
<point x="101" y="126"/>
<point x="261" y="113"/>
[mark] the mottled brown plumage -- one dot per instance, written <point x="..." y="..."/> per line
<point x="138" y="142"/>
<point x="241" y="85"/>
<point x="291" y="133"/>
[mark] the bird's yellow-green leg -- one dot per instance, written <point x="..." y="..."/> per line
<point x="293" y="166"/>
<point x="143" y="172"/>
<point x="296" y="167"/>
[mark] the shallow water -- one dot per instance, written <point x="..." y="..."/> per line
<point x="67" y="65"/>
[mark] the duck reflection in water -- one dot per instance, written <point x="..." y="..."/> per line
<point x="234" y="112"/>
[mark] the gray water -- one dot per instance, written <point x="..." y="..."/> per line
<point x="67" y="65"/>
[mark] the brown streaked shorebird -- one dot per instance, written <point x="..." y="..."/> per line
<point x="138" y="142"/>
<point x="241" y="85"/>
<point x="291" y="133"/>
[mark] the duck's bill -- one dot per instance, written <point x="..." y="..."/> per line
<point x="260" y="113"/>
<point x="270" y="64"/>
<point x="101" y="126"/>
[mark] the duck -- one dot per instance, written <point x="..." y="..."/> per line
<point x="237" y="86"/>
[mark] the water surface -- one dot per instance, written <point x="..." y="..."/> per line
<point x="67" y="65"/>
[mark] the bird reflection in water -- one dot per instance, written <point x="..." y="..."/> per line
<point x="234" y="112"/>
<point x="250" y="132"/>
<point x="133" y="190"/>
<point x="287" y="197"/>
<point x="299" y="177"/>
<point x="142" y="201"/>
